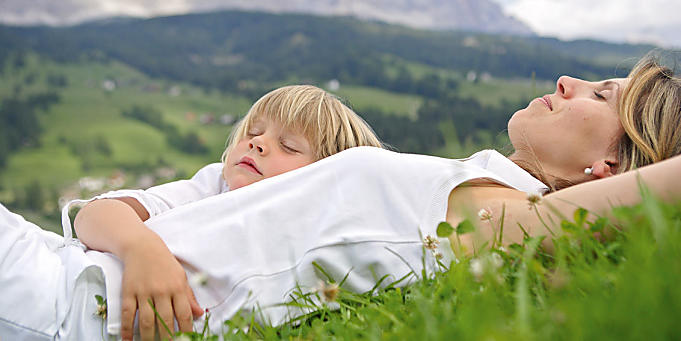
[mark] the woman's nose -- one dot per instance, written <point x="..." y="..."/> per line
<point x="565" y="86"/>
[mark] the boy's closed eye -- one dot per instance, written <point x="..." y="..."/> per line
<point x="289" y="147"/>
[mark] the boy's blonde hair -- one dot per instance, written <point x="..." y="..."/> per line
<point x="328" y="124"/>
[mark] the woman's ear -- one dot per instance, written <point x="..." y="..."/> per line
<point x="604" y="168"/>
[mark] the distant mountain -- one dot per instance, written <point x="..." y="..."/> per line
<point x="221" y="49"/>
<point x="467" y="15"/>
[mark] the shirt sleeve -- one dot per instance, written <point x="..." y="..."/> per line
<point x="208" y="181"/>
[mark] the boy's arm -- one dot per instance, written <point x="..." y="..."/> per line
<point x="206" y="182"/>
<point x="114" y="223"/>
<point x="150" y="270"/>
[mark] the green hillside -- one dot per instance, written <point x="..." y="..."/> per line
<point x="133" y="103"/>
<point x="137" y="102"/>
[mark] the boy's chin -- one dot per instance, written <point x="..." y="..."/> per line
<point x="234" y="185"/>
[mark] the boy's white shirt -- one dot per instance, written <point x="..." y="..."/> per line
<point x="361" y="212"/>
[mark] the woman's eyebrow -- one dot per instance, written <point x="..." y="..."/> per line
<point x="611" y="84"/>
<point x="615" y="86"/>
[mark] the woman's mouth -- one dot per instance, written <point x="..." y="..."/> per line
<point x="249" y="164"/>
<point x="547" y="101"/>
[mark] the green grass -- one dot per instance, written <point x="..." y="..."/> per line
<point x="87" y="111"/>
<point x="491" y="93"/>
<point x="362" y="97"/>
<point x="623" y="289"/>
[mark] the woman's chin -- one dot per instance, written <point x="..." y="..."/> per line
<point x="515" y="122"/>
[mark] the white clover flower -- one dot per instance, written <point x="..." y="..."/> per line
<point x="199" y="279"/>
<point x="534" y="199"/>
<point x="329" y="291"/>
<point x="477" y="267"/>
<point x="101" y="307"/>
<point x="101" y="311"/>
<point x="430" y="242"/>
<point x="484" y="214"/>
<point x="438" y="255"/>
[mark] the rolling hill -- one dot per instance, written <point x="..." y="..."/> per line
<point x="443" y="93"/>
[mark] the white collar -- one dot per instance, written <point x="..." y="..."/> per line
<point x="506" y="170"/>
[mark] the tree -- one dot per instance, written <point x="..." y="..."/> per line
<point x="35" y="198"/>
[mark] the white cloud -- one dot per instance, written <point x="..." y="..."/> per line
<point x="615" y="20"/>
<point x="145" y="8"/>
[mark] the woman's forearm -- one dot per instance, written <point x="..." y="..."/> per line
<point x="520" y="217"/>
<point x="662" y="179"/>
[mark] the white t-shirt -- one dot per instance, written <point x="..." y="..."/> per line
<point x="361" y="213"/>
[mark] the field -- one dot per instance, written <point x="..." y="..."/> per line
<point x="88" y="110"/>
<point x="85" y="135"/>
<point x="622" y="289"/>
<point x="116" y="126"/>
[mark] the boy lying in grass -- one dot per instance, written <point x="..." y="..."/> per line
<point x="286" y="129"/>
<point x="362" y="215"/>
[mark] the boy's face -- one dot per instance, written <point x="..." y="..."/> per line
<point x="267" y="150"/>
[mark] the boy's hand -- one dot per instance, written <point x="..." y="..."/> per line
<point x="151" y="272"/>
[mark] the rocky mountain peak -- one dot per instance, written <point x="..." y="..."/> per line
<point x="472" y="15"/>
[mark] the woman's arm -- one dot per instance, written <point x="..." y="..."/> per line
<point x="598" y="197"/>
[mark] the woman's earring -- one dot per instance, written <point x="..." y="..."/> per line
<point x="588" y="171"/>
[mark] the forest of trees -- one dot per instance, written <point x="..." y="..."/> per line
<point x="19" y="123"/>
<point x="220" y="50"/>
<point x="243" y="52"/>
<point x="246" y="54"/>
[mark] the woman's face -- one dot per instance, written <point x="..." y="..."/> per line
<point x="570" y="129"/>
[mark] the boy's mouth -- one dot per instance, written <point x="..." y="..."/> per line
<point x="249" y="164"/>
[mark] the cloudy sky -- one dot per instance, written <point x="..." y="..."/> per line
<point x="656" y="21"/>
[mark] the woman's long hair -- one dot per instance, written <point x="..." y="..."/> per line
<point x="650" y="111"/>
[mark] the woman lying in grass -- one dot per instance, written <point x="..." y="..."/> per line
<point x="364" y="215"/>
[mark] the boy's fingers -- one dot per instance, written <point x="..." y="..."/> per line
<point x="183" y="313"/>
<point x="147" y="320"/>
<point x="196" y="308"/>
<point x="128" y="309"/>
<point x="165" y="312"/>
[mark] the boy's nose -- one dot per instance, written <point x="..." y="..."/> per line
<point x="259" y="148"/>
<point x="258" y="144"/>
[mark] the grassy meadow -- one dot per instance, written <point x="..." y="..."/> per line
<point x="622" y="289"/>
<point x="85" y="134"/>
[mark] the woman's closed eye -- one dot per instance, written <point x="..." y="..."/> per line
<point x="599" y="95"/>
